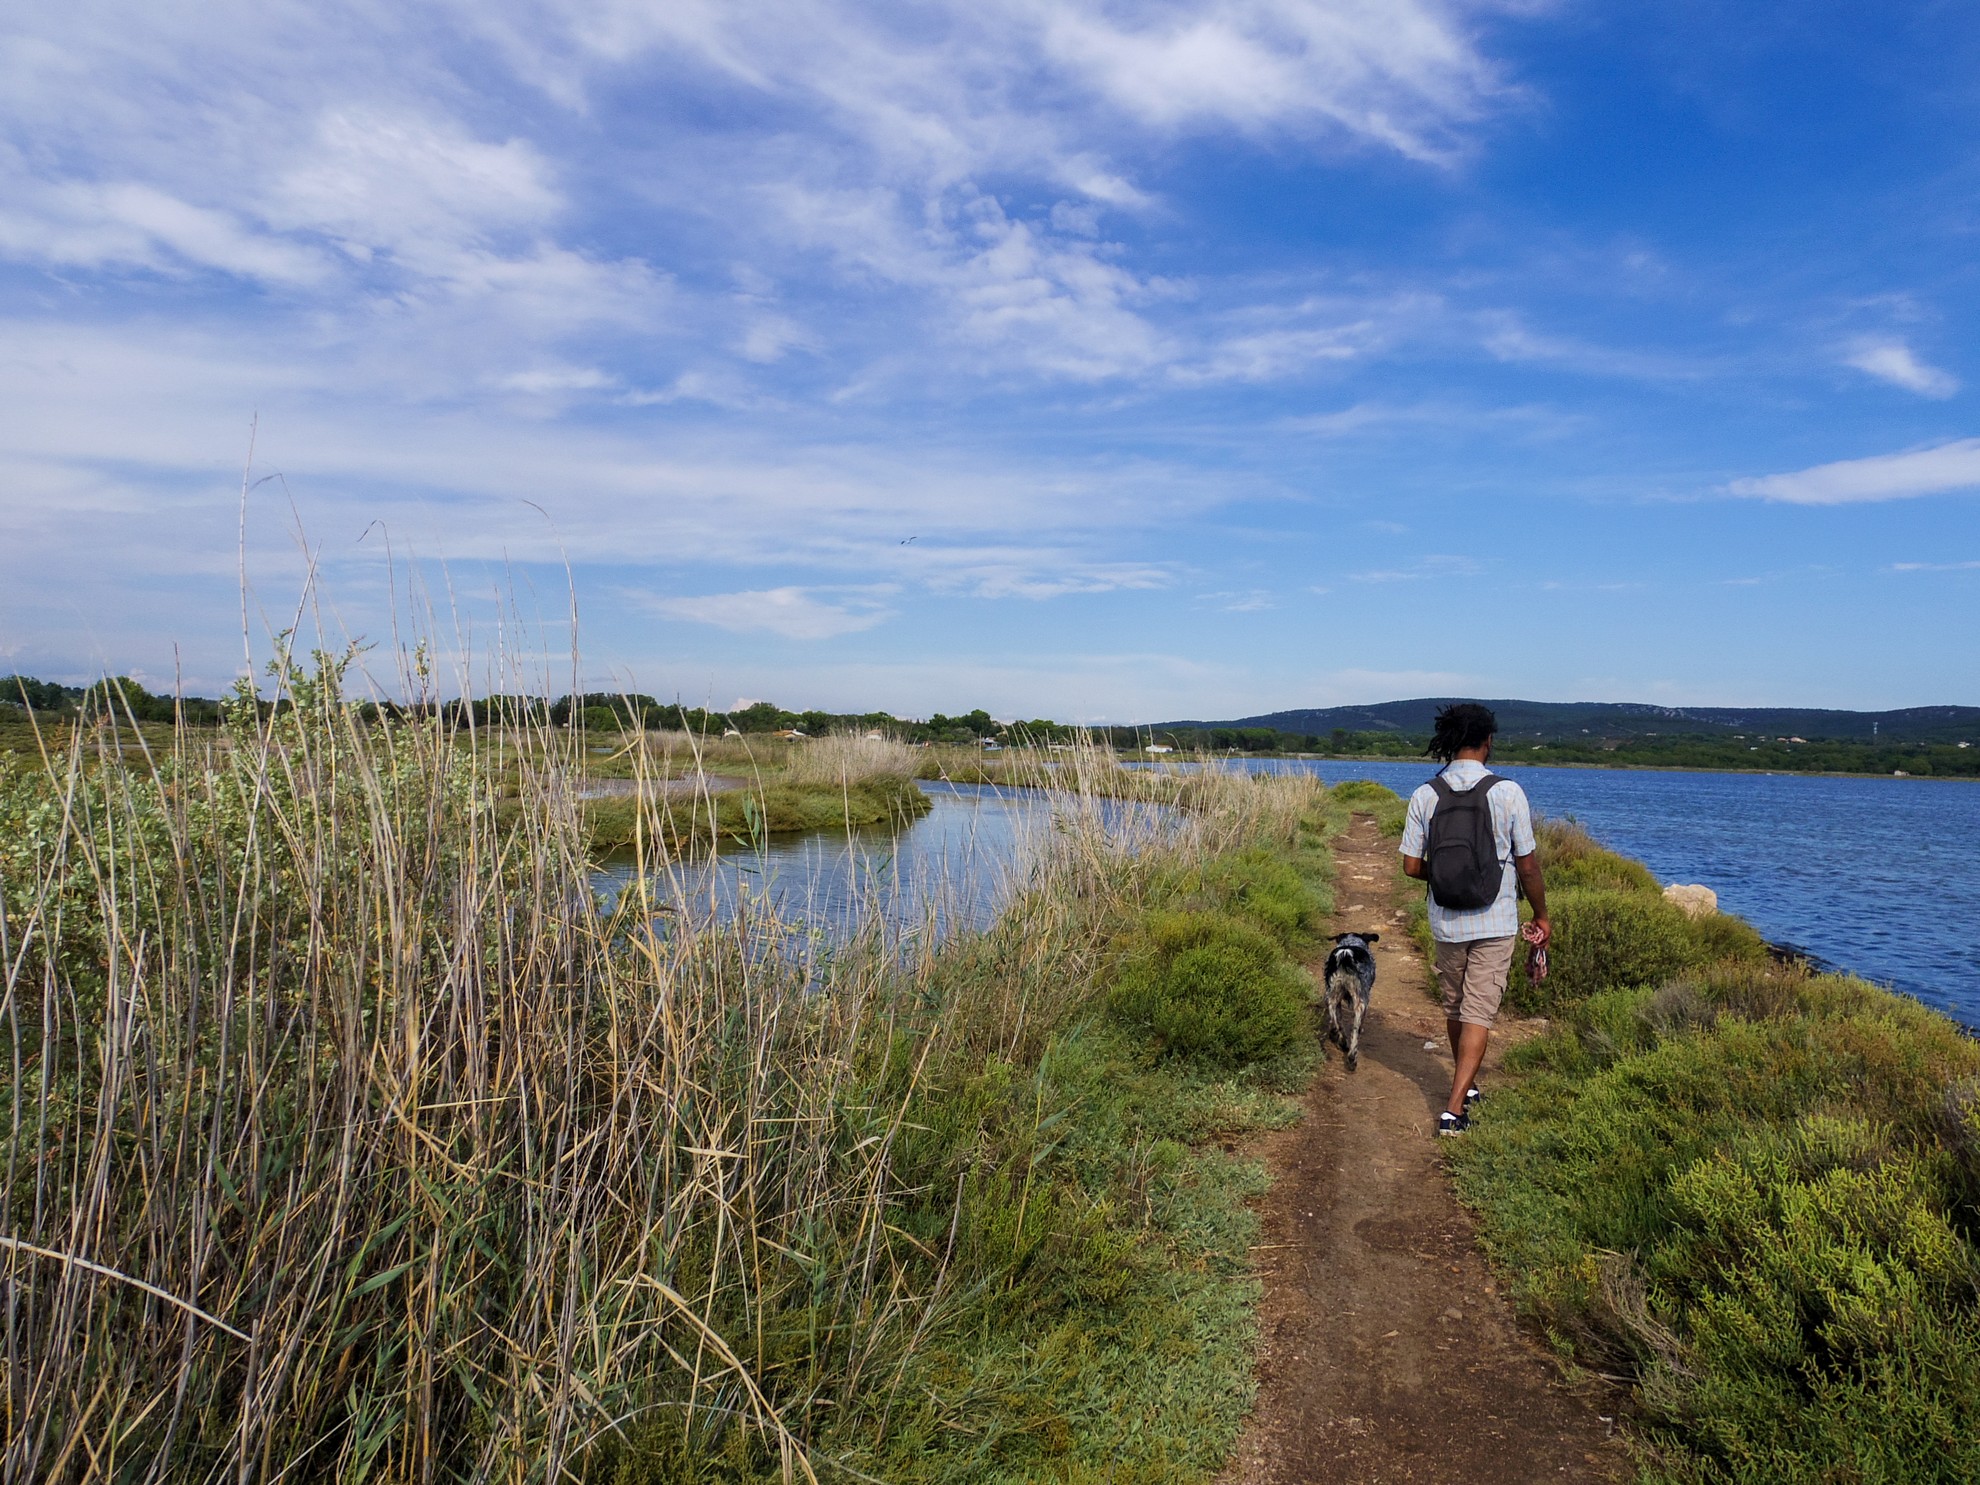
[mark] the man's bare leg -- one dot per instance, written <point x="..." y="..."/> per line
<point x="1468" y="1051"/>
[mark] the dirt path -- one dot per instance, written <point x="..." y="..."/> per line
<point x="1387" y="1355"/>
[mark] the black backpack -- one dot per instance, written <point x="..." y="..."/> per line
<point x="1465" y="870"/>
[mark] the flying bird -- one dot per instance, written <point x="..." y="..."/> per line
<point x="911" y="538"/>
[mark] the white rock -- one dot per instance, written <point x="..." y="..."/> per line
<point x="1697" y="901"/>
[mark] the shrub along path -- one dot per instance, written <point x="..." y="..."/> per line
<point x="1388" y="1354"/>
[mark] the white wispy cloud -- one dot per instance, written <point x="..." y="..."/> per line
<point x="1434" y="566"/>
<point x="953" y="87"/>
<point x="359" y="165"/>
<point x="1895" y="362"/>
<point x="1902" y="476"/>
<point x="133" y="225"/>
<point x="471" y="487"/>
<point x="1243" y="601"/>
<point x="1533" y="421"/>
<point x="790" y="612"/>
<point x="1505" y="335"/>
<point x="1935" y="566"/>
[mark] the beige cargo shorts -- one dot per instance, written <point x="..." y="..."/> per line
<point x="1472" y="976"/>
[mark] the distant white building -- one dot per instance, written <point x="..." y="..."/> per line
<point x="1158" y="748"/>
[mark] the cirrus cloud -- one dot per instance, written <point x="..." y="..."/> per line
<point x="1895" y="362"/>
<point x="1903" y="476"/>
<point x="789" y="612"/>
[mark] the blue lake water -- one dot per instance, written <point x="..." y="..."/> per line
<point x="951" y="869"/>
<point x="1879" y="876"/>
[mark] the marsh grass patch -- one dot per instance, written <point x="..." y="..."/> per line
<point x="1745" y="1190"/>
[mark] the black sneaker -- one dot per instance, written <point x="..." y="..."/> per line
<point x="1472" y="1099"/>
<point x="1449" y="1124"/>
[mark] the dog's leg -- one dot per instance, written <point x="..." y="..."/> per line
<point x="1354" y="1036"/>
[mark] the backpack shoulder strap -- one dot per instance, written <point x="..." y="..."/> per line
<point x="1478" y="790"/>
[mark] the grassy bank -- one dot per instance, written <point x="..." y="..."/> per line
<point x="679" y="819"/>
<point x="1748" y="1193"/>
<point x="345" y="1139"/>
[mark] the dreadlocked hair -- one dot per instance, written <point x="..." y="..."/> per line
<point x="1463" y="724"/>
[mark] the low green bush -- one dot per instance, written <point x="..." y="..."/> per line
<point x="1721" y="938"/>
<point x="1211" y="986"/>
<point x="1266" y="888"/>
<point x="1606" y="937"/>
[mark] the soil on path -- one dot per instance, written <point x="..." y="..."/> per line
<point x="1387" y="1353"/>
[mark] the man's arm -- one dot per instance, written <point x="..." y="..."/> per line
<point x="1415" y="836"/>
<point x="1528" y="867"/>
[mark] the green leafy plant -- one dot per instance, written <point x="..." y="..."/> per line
<point x="1207" y="985"/>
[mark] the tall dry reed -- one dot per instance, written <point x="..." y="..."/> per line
<point x="849" y="758"/>
<point x="346" y="1138"/>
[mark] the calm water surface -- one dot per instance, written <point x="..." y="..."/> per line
<point x="952" y="869"/>
<point x="1874" y="875"/>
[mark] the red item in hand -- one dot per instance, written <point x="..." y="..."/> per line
<point x="1536" y="963"/>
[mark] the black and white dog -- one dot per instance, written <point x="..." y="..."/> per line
<point x="1349" y="981"/>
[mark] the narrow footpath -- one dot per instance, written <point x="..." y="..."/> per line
<point x="1387" y="1353"/>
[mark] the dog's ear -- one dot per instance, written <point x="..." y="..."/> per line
<point x="1370" y="937"/>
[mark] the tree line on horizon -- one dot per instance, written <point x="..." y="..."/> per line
<point x="1675" y="750"/>
<point x="605" y="711"/>
<point x="594" y="710"/>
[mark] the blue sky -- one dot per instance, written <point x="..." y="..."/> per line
<point x="1102" y="361"/>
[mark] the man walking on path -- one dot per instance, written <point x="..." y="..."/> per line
<point x="1464" y="852"/>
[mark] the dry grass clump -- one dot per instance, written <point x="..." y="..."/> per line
<point x="346" y="1140"/>
<point x="849" y="758"/>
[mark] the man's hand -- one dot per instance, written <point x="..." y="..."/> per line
<point x="1528" y="867"/>
<point x="1537" y="931"/>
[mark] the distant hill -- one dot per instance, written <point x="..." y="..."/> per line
<point x="1569" y="721"/>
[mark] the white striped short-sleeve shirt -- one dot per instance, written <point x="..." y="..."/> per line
<point x="1512" y="832"/>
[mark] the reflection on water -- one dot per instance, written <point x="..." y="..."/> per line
<point x="1880" y="876"/>
<point x="952" y="869"/>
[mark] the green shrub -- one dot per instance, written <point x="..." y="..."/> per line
<point x="1827" y="1303"/>
<point x="1751" y="1190"/>
<point x="1266" y="888"/>
<point x="1721" y="938"/>
<point x="1210" y="986"/>
<point x="1605" y="938"/>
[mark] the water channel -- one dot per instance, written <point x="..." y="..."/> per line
<point x="952" y="869"/>
<point x="1879" y="876"/>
